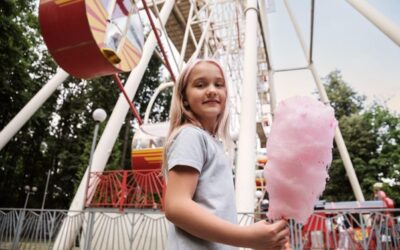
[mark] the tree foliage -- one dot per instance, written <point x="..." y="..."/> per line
<point x="342" y="98"/>
<point x="24" y="67"/>
<point x="386" y="128"/>
<point x="372" y="140"/>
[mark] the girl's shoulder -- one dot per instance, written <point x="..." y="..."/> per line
<point x="190" y="133"/>
<point x="190" y="129"/>
<point x="188" y="137"/>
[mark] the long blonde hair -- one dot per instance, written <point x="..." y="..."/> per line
<point x="181" y="116"/>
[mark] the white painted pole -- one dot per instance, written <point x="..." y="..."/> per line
<point x="272" y="91"/>
<point x="153" y="99"/>
<point x="271" y="82"/>
<point x="245" y="169"/>
<point x="31" y="107"/>
<point x="111" y="131"/>
<point x="320" y="86"/>
<point x="202" y="38"/>
<point x="297" y="29"/>
<point x="186" y="37"/>
<point x="344" y="154"/>
<point x="206" y="52"/>
<point x="378" y="19"/>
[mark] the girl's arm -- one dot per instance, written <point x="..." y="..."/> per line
<point x="186" y="214"/>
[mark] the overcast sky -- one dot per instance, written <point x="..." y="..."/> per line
<point x="343" y="40"/>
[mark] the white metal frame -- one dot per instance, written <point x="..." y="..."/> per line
<point x="31" y="107"/>
<point x="378" y="19"/>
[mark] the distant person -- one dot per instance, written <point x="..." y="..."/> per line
<point x="379" y="194"/>
<point x="385" y="221"/>
<point x="376" y="188"/>
<point x="200" y="198"/>
<point x="344" y="232"/>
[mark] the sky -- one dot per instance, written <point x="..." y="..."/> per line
<point x="344" y="40"/>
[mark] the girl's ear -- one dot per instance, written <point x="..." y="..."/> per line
<point x="185" y="104"/>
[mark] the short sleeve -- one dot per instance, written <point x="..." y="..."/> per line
<point x="187" y="149"/>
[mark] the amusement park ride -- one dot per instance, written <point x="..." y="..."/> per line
<point x="94" y="38"/>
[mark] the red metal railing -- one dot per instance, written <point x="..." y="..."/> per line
<point x="126" y="189"/>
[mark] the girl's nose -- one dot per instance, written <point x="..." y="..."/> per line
<point x="211" y="90"/>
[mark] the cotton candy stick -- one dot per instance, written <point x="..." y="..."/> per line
<point x="299" y="151"/>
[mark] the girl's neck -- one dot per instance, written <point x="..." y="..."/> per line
<point x="210" y="128"/>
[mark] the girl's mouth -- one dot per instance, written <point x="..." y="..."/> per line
<point x="211" y="101"/>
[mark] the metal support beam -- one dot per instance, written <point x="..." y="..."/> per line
<point x="202" y="38"/>
<point x="263" y="19"/>
<point x="272" y="91"/>
<point x="378" y="19"/>
<point x="31" y="107"/>
<point x="324" y="98"/>
<point x="245" y="169"/>
<point x="298" y="31"/>
<point x="265" y="35"/>
<point x="292" y="69"/>
<point x="185" y="38"/>
<point x="153" y="98"/>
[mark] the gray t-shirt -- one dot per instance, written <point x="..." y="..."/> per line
<point x="193" y="147"/>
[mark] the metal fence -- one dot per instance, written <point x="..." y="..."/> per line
<point x="139" y="188"/>
<point x="147" y="229"/>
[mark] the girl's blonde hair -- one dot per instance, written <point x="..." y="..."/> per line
<point x="181" y="116"/>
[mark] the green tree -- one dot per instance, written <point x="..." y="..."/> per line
<point x="372" y="140"/>
<point x="23" y="69"/>
<point x="386" y="128"/>
<point x="343" y="99"/>
<point x="358" y="136"/>
<point x="72" y="132"/>
<point x="361" y="144"/>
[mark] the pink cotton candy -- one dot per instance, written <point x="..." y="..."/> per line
<point x="299" y="151"/>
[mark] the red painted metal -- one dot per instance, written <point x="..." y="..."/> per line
<point x="131" y="106"/>
<point x="147" y="159"/>
<point x="141" y="187"/>
<point x="75" y="33"/>
<point x="124" y="189"/>
<point x="155" y="31"/>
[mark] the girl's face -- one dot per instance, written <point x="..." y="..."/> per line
<point x="205" y="94"/>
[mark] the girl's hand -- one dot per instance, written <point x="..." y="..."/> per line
<point x="265" y="236"/>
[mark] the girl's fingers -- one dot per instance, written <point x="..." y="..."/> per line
<point x="283" y="242"/>
<point x="280" y="225"/>
<point x="284" y="233"/>
<point x="267" y="222"/>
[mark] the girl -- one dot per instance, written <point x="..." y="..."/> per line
<point x="200" y="199"/>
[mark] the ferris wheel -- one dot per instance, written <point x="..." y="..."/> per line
<point x="94" y="38"/>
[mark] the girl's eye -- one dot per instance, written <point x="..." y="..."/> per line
<point x="199" y="84"/>
<point x="220" y="84"/>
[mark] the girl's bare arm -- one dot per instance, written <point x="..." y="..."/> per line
<point x="185" y="213"/>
